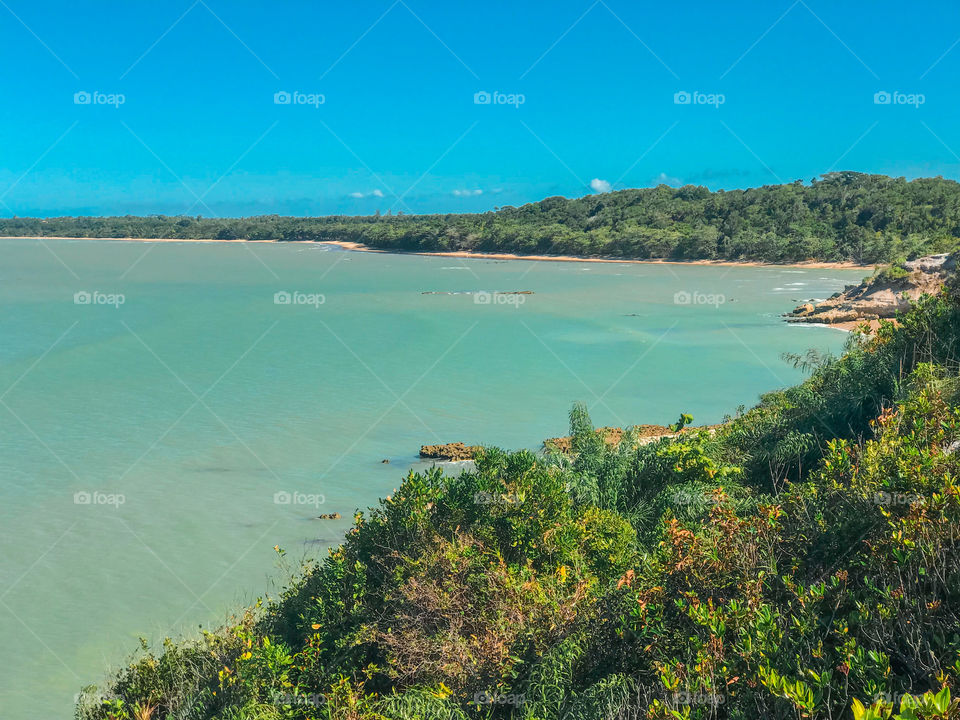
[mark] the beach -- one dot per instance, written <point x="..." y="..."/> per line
<point x="360" y="247"/>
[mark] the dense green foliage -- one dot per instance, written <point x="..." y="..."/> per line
<point x="801" y="562"/>
<point x="843" y="216"/>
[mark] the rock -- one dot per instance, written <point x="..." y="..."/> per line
<point x="449" y="452"/>
<point x="613" y="436"/>
<point x="329" y="516"/>
<point x="882" y="296"/>
<point x="385" y="461"/>
<point x="560" y="444"/>
<point x="932" y="263"/>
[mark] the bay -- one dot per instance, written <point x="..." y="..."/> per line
<point x="172" y="411"/>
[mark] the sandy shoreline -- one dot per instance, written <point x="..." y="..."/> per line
<point x="813" y="265"/>
<point x="845" y="325"/>
<point x="360" y="247"/>
<point x="131" y="239"/>
<point x="573" y="258"/>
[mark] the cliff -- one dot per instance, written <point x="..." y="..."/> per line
<point x="882" y="296"/>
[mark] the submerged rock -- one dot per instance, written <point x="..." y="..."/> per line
<point x="329" y="516"/>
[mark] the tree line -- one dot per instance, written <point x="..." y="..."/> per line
<point x="840" y="216"/>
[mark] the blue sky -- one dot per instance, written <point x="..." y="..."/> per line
<point x="779" y="91"/>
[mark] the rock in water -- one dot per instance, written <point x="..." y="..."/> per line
<point x="449" y="452"/>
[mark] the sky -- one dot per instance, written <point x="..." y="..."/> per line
<point x="216" y="108"/>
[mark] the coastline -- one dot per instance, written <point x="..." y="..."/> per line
<point x="813" y="265"/>
<point x="132" y="239"/>
<point x="360" y="247"/>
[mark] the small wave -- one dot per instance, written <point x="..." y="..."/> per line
<point x="825" y="326"/>
<point x="455" y="267"/>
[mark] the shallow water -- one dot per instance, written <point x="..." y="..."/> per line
<point x="154" y="450"/>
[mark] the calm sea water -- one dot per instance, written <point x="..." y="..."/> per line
<point x="157" y="441"/>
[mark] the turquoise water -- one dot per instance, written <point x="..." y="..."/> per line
<point x="181" y="412"/>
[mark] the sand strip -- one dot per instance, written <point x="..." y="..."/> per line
<point x="359" y="247"/>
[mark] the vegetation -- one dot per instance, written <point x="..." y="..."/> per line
<point x="801" y="562"/>
<point x="890" y="274"/>
<point x="842" y="216"/>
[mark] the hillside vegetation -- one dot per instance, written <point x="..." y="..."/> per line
<point x="843" y="216"/>
<point x="803" y="561"/>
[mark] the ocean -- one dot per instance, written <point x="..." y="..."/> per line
<point x="171" y="412"/>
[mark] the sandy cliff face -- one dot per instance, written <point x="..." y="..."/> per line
<point x="881" y="296"/>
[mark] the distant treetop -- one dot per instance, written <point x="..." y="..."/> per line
<point x="840" y="216"/>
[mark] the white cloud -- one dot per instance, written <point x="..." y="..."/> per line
<point x="468" y="193"/>
<point x="375" y="193"/>
<point x="356" y="195"/>
<point x="664" y="179"/>
<point x="600" y="186"/>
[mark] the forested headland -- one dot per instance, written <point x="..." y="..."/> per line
<point x="842" y="216"/>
